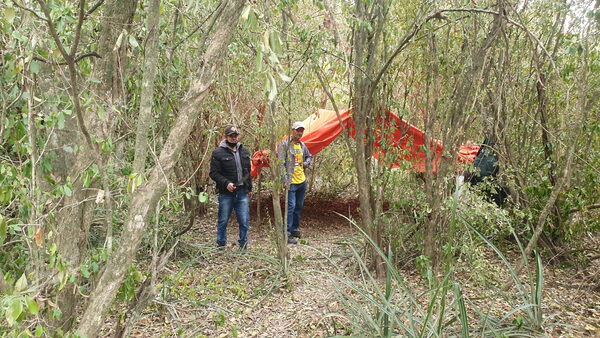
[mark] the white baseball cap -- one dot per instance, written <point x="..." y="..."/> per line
<point x="298" y="125"/>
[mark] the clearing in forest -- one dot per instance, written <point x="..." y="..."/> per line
<point x="242" y="293"/>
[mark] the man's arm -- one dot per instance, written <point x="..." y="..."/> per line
<point x="308" y="157"/>
<point x="248" y="170"/>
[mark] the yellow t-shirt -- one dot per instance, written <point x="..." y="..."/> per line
<point x="298" y="175"/>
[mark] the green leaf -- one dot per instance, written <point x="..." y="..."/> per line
<point x="285" y="78"/>
<point x="119" y="40"/>
<point x="259" y="59"/>
<point x="137" y="276"/>
<point x="67" y="190"/>
<point x="21" y="284"/>
<point x="266" y="40"/>
<point x="34" y="67"/>
<point x="246" y="12"/>
<point x="275" y="42"/>
<point x="273" y="58"/>
<point x="267" y="85"/>
<point x="133" y="42"/>
<point x="14" y="311"/>
<point x="202" y="197"/>
<point x="9" y="14"/>
<point x="3" y="229"/>
<point x="32" y="305"/>
<point x="61" y="121"/>
<point x="86" y="180"/>
<point x="252" y="20"/>
<point x="273" y="89"/>
<point x="39" y="331"/>
<point x="84" y="271"/>
<point x="462" y="310"/>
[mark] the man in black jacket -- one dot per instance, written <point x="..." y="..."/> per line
<point x="230" y="169"/>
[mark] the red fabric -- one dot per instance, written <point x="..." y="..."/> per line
<point x="405" y="144"/>
<point x="467" y="152"/>
<point x="260" y="159"/>
<point x="323" y="127"/>
<point x="405" y="141"/>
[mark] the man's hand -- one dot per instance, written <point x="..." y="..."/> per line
<point x="250" y="194"/>
<point x="287" y="185"/>
<point x="231" y="187"/>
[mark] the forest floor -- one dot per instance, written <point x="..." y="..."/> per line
<point x="235" y="293"/>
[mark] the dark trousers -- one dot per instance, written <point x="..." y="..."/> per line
<point x="295" y="203"/>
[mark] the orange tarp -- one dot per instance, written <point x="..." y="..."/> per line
<point x="404" y="142"/>
<point x="323" y="127"/>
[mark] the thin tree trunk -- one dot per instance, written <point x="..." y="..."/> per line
<point x="465" y="95"/>
<point x="34" y="187"/>
<point x="150" y="68"/>
<point x="145" y="200"/>
<point x="148" y="290"/>
<point x="577" y="125"/>
<point x="365" y="54"/>
<point x="280" y="220"/>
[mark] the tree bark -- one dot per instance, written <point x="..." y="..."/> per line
<point x="148" y="195"/>
<point x="280" y="219"/>
<point x="110" y="69"/>
<point x="365" y="47"/>
<point x="75" y="214"/>
<point x="150" y="68"/>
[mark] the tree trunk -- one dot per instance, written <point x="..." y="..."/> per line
<point x="465" y="95"/>
<point x="75" y="215"/>
<point x="365" y="56"/>
<point x="577" y="125"/>
<point x="110" y="69"/>
<point x="145" y="200"/>
<point x="280" y="220"/>
<point x="150" y="67"/>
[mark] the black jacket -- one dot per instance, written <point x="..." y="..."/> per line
<point x="223" y="170"/>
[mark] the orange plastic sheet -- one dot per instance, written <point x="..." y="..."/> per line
<point x="403" y="147"/>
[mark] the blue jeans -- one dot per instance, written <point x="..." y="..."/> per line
<point x="295" y="203"/>
<point x="239" y="201"/>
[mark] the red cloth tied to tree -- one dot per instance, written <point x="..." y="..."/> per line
<point x="403" y="146"/>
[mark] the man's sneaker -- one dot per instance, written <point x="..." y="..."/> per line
<point x="296" y="234"/>
<point x="291" y="240"/>
<point x="221" y="247"/>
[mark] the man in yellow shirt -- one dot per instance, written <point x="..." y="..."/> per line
<point x="294" y="157"/>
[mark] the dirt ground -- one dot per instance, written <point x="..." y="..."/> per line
<point x="232" y="293"/>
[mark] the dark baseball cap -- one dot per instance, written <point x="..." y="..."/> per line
<point x="231" y="130"/>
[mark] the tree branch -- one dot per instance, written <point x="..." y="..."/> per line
<point x="70" y="62"/>
<point x="437" y="15"/>
<point x="585" y="208"/>
<point x="52" y="29"/>
<point x="77" y="59"/>
<point x="94" y="8"/>
<point x="28" y="10"/>
<point x="80" y="19"/>
<point x="512" y="22"/>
